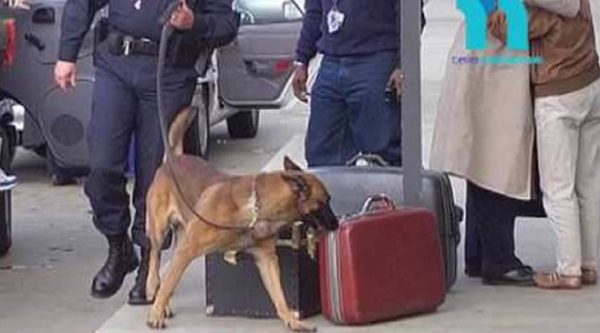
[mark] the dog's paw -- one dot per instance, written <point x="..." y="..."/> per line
<point x="298" y="326"/>
<point x="157" y="319"/>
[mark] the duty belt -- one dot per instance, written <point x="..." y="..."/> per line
<point x="122" y="44"/>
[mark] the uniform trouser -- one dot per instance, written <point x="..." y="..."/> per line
<point x="350" y="112"/>
<point x="568" y="134"/>
<point x="124" y="104"/>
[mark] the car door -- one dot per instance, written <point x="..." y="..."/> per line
<point x="255" y="70"/>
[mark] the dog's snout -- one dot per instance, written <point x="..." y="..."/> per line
<point x="330" y="219"/>
<point x="327" y="218"/>
<point x="322" y="218"/>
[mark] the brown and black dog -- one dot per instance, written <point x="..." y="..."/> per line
<point x="230" y="213"/>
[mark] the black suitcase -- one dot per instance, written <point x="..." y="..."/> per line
<point x="234" y="287"/>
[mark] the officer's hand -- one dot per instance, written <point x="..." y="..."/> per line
<point x="64" y="75"/>
<point x="299" y="83"/>
<point x="396" y="81"/>
<point x="183" y="17"/>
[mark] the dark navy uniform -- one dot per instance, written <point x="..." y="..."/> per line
<point x="124" y="104"/>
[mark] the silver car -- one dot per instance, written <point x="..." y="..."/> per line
<point x="251" y="74"/>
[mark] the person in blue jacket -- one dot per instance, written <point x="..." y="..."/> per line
<point x="354" y="101"/>
<point x="124" y="104"/>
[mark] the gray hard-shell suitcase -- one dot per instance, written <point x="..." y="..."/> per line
<point x="350" y="186"/>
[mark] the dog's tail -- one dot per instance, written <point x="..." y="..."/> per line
<point x="178" y="128"/>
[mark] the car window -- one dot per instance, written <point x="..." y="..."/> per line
<point x="269" y="11"/>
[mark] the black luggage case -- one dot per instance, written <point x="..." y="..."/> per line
<point x="234" y="287"/>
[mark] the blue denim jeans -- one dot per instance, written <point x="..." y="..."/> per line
<point x="351" y="113"/>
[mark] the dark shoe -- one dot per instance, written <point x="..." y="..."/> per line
<point x="137" y="294"/>
<point x="522" y="276"/>
<point x="121" y="261"/>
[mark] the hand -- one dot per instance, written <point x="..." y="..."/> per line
<point x="183" y="17"/>
<point x="299" y="83"/>
<point x="64" y="74"/>
<point x="396" y="81"/>
<point x="585" y="9"/>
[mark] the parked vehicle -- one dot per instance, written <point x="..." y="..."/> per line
<point x="252" y="74"/>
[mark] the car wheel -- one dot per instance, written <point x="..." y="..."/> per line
<point x="5" y="197"/>
<point x="197" y="140"/>
<point x="10" y="132"/>
<point x="244" y="124"/>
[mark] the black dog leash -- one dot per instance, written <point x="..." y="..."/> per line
<point x="166" y="32"/>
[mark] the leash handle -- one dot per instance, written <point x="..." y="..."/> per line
<point x="166" y="15"/>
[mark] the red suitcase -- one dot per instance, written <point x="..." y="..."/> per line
<point x="381" y="264"/>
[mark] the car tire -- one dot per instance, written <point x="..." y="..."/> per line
<point x="244" y="124"/>
<point x="5" y="197"/>
<point x="10" y="132"/>
<point x="197" y="140"/>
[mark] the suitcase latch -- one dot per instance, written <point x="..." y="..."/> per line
<point x="231" y="257"/>
<point x="296" y="242"/>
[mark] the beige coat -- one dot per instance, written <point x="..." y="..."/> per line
<point x="484" y="130"/>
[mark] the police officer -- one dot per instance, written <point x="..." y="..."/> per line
<point x="124" y="104"/>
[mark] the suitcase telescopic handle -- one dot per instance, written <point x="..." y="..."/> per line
<point x="379" y="202"/>
<point x="409" y="23"/>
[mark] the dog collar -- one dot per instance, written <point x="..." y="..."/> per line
<point x="254" y="203"/>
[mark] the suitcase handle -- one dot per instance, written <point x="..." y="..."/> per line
<point x="361" y="160"/>
<point x="379" y="202"/>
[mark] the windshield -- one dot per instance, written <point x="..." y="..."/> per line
<point x="269" y="11"/>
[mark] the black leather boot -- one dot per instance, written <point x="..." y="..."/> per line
<point x="121" y="261"/>
<point x="137" y="294"/>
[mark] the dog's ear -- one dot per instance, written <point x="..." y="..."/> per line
<point x="289" y="165"/>
<point x="298" y="184"/>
